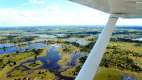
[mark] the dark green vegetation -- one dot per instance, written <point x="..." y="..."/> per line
<point x="123" y="56"/>
<point x="120" y="59"/>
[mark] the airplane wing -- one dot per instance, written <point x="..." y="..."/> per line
<point x="123" y="8"/>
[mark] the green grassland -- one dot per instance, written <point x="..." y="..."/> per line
<point x="114" y="74"/>
<point x="121" y="58"/>
<point x="9" y="61"/>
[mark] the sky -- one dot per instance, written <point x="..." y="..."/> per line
<point x="53" y="12"/>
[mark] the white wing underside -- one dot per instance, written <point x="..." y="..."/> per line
<point x="123" y="8"/>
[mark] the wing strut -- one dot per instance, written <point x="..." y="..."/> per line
<point x="91" y="65"/>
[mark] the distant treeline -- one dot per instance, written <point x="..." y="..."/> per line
<point x="130" y="27"/>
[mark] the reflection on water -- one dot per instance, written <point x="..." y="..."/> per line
<point x="126" y="77"/>
<point x="11" y="48"/>
<point x="36" y="46"/>
<point x="74" y="58"/>
<point x="6" y="45"/>
<point x="138" y="39"/>
<point x="51" y="59"/>
<point x="7" y="48"/>
<point x="82" y="42"/>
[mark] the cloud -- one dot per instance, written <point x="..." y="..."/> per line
<point x="54" y="15"/>
<point x="33" y="3"/>
<point x="40" y="2"/>
<point x="131" y="21"/>
<point x="50" y="15"/>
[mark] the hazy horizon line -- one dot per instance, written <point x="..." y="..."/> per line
<point x="72" y="26"/>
